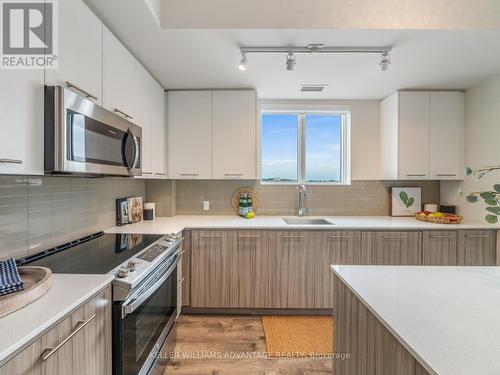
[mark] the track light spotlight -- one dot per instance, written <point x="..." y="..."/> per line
<point x="385" y="61"/>
<point x="244" y="62"/>
<point x="290" y="61"/>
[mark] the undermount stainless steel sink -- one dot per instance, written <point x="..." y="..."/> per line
<point x="306" y="221"/>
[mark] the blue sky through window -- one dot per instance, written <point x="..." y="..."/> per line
<point x="323" y="147"/>
<point x="279" y="147"/>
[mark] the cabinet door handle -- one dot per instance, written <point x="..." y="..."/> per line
<point x="124" y="114"/>
<point x="244" y="237"/>
<point x="416" y="175"/>
<point x="189" y="174"/>
<point x="446" y="175"/>
<point x="477" y="236"/>
<point x="159" y="174"/>
<point x="233" y="174"/>
<point x="11" y="161"/>
<point x="334" y="237"/>
<point x="148" y="173"/>
<point x="51" y="350"/>
<point x="394" y="237"/>
<point x="442" y="236"/>
<point x="292" y="236"/>
<point x="210" y="235"/>
<point x="79" y="89"/>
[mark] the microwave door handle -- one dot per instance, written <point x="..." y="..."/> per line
<point x="130" y="305"/>
<point x="137" y="152"/>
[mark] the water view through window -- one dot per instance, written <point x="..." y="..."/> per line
<point x="319" y="136"/>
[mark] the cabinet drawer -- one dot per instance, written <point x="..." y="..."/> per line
<point x="440" y="248"/>
<point x="391" y="248"/>
<point x="477" y="248"/>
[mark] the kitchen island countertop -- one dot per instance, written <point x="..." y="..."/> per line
<point x="446" y="317"/>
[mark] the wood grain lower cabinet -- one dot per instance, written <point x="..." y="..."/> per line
<point x="332" y="248"/>
<point x="80" y="344"/>
<point x="291" y="260"/>
<point x="440" y="248"/>
<point x="210" y="269"/>
<point x="249" y="273"/>
<point x="476" y="248"/>
<point x="186" y="268"/>
<point x="391" y="248"/>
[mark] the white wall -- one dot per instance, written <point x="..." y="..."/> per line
<point x="482" y="146"/>
<point x="364" y="130"/>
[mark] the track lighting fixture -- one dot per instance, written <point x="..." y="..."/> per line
<point x="313" y="49"/>
<point x="385" y="61"/>
<point x="244" y="62"/>
<point x="290" y="61"/>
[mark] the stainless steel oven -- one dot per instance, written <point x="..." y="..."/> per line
<point x="142" y="322"/>
<point x="83" y="138"/>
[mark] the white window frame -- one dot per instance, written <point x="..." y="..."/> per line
<point x="345" y="166"/>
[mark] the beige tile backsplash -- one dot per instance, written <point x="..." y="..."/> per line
<point x="370" y="198"/>
<point x="37" y="213"/>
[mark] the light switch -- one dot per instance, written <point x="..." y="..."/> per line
<point x="206" y="205"/>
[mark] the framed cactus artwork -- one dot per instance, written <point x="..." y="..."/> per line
<point x="406" y="201"/>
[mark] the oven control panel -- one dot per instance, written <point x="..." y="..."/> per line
<point x="136" y="268"/>
<point x="153" y="252"/>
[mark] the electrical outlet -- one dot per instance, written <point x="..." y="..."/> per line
<point x="206" y="205"/>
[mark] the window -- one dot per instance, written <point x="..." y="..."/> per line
<point x="305" y="148"/>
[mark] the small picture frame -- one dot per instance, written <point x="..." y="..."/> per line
<point x="406" y="201"/>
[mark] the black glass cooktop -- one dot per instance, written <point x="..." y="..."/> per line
<point x="97" y="254"/>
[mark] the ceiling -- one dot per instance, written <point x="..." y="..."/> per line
<point x="208" y="58"/>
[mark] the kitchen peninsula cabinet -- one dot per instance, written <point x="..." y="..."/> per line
<point x="79" y="344"/>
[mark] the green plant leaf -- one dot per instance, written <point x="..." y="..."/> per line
<point x="472" y="198"/>
<point x="497" y="188"/>
<point x="468" y="171"/>
<point x="487" y="195"/>
<point x="491" y="202"/>
<point x="492" y="219"/>
<point x="495" y="210"/>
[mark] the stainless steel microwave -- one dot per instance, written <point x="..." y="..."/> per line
<point x="83" y="138"/>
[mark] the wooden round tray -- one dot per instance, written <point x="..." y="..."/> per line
<point x="37" y="280"/>
<point x="447" y="219"/>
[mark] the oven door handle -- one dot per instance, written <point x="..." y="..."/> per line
<point x="130" y="305"/>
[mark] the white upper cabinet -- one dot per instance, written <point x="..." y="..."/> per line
<point x="413" y="135"/>
<point x="446" y="135"/>
<point x="158" y="130"/>
<point x="234" y="129"/>
<point x="190" y="134"/>
<point x="421" y="135"/>
<point x="21" y="118"/>
<point x="80" y="51"/>
<point x="118" y="82"/>
<point x="143" y="114"/>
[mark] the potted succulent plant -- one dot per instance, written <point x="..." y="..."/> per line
<point x="490" y="198"/>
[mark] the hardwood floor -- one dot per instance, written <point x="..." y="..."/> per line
<point x="232" y="345"/>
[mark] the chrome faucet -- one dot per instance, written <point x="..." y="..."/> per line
<point x="303" y="211"/>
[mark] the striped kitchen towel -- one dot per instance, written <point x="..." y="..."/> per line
<point x="9" y="277"/>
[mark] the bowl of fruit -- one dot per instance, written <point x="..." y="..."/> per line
<point x="438" y="217"/>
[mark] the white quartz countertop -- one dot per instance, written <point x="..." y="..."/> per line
<point x="66" y="294"/>
<point x="165" y="225"/>
<point x="447" y="317"/>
